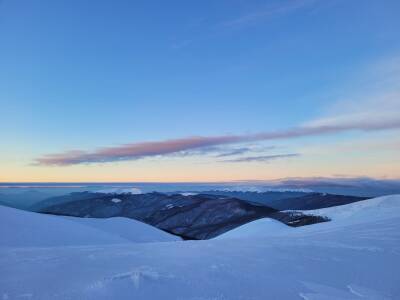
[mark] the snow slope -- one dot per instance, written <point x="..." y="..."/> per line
<point x="27" y="229"/>
<point x="259" y="228"/>
<point x="128" y="229"/>
<point x="367" y="211"/>
<point x="356" y="256"/>
<point x="363" y="211"/>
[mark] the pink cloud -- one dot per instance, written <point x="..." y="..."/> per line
<point x="147" y="149"/>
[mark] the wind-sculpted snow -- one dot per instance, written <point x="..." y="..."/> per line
<point x="331" y="260"/>
<point x="190" y="216"/>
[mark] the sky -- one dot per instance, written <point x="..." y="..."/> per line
<point x="177" y="91"/>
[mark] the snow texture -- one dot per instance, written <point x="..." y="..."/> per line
<point x="355" y="256"/>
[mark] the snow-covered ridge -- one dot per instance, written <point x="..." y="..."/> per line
<point x="188" y="194"/>
<point x="28" y="229"/>
<point x="261" y="189"/>
<point x="133" y="191"/>
<point x="366" y="210"/>
<point x="258" y="228"/>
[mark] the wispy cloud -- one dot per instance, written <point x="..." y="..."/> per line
<point x="280" y="8"/>
<point x="156" y="148"/>
<point x="240" y="151"/>
<point x="217" y="151"/>
<point x="262" y="158"/>
<point x="210" y="30"/>
<point x="233" y="152"/>
<point x="366" y="111"/>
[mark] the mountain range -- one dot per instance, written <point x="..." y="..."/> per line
<point x="192" y="215"/>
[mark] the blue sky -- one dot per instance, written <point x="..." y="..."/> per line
<point x="82" y="75"/>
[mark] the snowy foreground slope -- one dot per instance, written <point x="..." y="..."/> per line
<point x="355" y="256"/>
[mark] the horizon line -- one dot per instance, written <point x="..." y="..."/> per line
<point x="204" y="182"/>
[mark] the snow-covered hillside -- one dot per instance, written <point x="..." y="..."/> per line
<point x="131" y="230"/>
<point x="27" y="229"/>
<point x="259" y="228"/>
<point x="367" y="211"/>
<point x="363" y="211"/>
<point x="355" y="256"/>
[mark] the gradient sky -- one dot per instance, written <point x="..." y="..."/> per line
<point x="198" y="90"/>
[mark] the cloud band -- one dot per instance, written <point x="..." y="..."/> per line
<point x="135" y="151"/>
